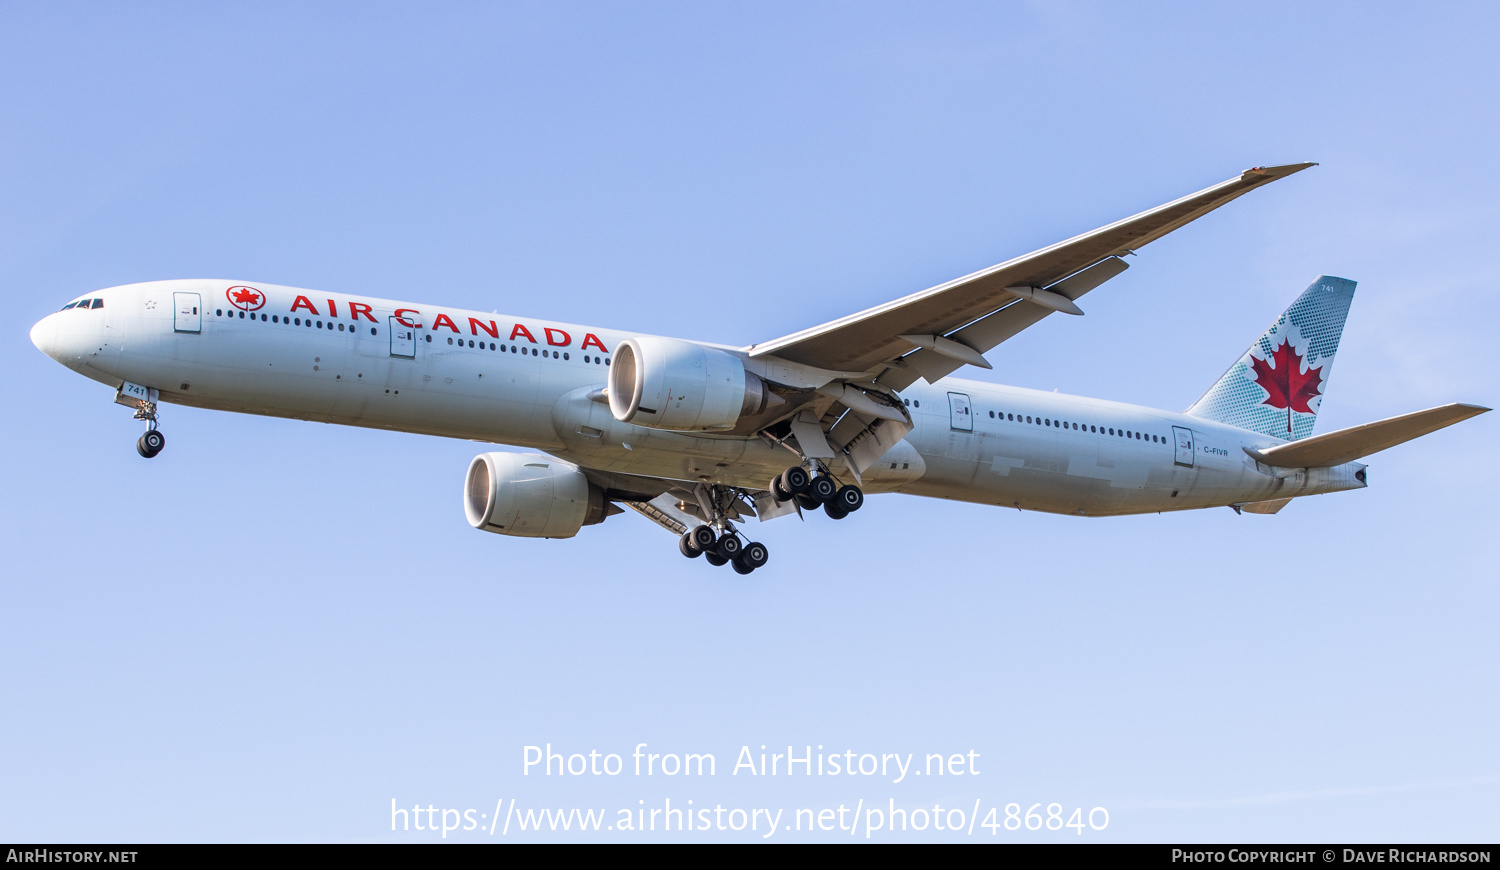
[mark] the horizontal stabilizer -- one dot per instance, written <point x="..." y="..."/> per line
<point x="1347" y="445"/>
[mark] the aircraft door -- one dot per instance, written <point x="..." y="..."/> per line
<point x="187" y="316"/>
<point x="1183" y="439"/>
<point x="959" y="412"/>
<point x="403" y="339"/>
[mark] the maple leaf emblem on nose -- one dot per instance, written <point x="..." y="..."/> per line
<point x="246" y="296"/>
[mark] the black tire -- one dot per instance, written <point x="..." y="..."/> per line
<point x="729" y="547"/>
<point x="823" y="489"/>
<point x="150" y="443"/>
<point x="741" y="567"/>
<point x="685" y="544"/>
<point x="796" y="480"/>
<point x="850" y="498"/>
<point x="778" y="491"/>
<point x="754" y="555"/>
<point x="714" y="558"/>
<point x="835" y="510"/>
<point x="807" y="502"/>
<point x="703" y="538"/>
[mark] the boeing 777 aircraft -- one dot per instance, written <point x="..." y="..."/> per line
<point x="698" y="437"/>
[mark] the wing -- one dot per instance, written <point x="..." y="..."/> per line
<point x="934" y="332"/>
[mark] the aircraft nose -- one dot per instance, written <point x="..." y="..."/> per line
<point x="44" y="335"/>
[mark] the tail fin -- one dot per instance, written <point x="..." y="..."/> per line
<point x="1277" y="386"/>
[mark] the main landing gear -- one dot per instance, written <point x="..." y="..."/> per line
<point x="717" y="540"/>
<point x="153" y="441"/>
<point x="723" y="549"/>
<point x="814" y="492"/>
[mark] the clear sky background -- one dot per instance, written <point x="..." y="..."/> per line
<point x="276" y="627"/>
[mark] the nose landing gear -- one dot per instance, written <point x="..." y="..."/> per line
<point x="153" y="441"/>
<point x="143" y="400"/>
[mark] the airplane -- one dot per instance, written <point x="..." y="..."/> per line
<point x="700" y="437"/>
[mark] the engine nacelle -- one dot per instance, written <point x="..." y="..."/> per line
<point x="530" y="496"/>
<point x="668" y="384"/>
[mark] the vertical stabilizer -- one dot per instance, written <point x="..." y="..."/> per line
<point x="1275" y="388"/>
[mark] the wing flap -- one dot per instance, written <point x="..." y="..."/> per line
<point x="1347" y="445"/>
<point x="989" y="332"/>
<point x="862" y="341"/>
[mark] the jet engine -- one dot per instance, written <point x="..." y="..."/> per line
<point x="663" y="383"/>
<point x="531" y="496"/>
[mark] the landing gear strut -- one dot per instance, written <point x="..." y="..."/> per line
<point x="153" y="441"/>
<point x="718" y="541"/>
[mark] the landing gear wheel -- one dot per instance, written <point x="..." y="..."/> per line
<point x="795" y="480"/>
<point x="850" y="498"/>
<point x="778" y="491"/>
<point x="823" y="489"/>
<point x="807" y="502"/>
<point x="714" y="558"/>
<point x="685" y="544"/>
<point x="741" y="567"/>
<point x="754" y="555"/>
<point x="835" y="510"/>
<point x="703" y="539"/>
<point x="150" y="443"/>
<point x="729" y="547"/>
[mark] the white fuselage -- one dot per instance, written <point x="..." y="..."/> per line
<point x="428" y="369"/>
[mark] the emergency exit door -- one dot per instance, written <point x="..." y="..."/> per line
<point x="959" y="412"/>
<point x="1183" y="443"/>
<point x="403" y="339"/>
<point x="186" y="316"/>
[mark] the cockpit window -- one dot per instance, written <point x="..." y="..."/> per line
<point x="69" y="305"/>
<point x="98" y="303"/>
<point x="84" y="304"/>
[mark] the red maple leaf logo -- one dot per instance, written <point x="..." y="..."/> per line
<point x="1286" y="385"/>
<point x="246" y="297"/>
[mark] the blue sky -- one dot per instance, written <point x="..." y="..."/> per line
<point x="276" y="627"/>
